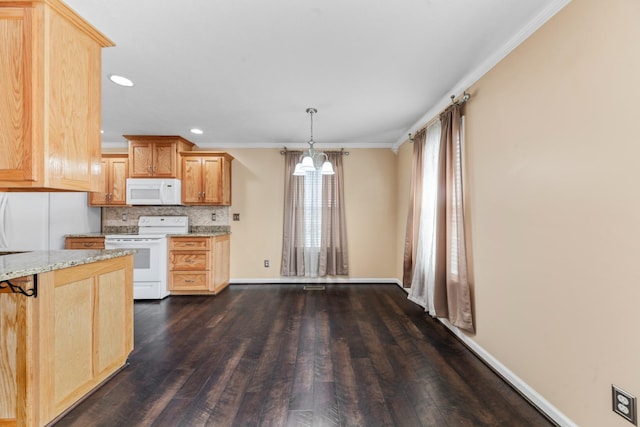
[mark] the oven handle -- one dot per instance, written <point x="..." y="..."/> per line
<point x="131" y="243"/>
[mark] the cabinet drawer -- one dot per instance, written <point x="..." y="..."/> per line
<point x="183" y="260"/>
<point x="189" y="281"/>
<point x="191" y="243"/>
<point x="85" y="243"/>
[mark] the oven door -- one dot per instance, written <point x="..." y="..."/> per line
<point x="150" y="259"/>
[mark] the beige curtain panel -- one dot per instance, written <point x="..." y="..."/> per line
<point x="415" y="206"/>
<point x="451" y="292"/>
<point x="333" y="252"/>
<point x="452" y="296"/>
<point x="293" y="237"/>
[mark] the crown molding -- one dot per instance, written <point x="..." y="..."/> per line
<point x="267" y="145"/>
<point x="475" y="75"/>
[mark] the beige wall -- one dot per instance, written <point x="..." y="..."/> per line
<point x="553" y="197"/>
<point x="370" y="199"/>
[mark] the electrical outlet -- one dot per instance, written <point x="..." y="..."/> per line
<point x="124" y="216"/>
<point x="213" y="216"/>
<point x="236" y="217"/>
<point x="266" y="263"/>
<point x="624" y="404"/>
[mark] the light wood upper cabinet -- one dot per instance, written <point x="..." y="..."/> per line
<point x="50" y="95"/>
<point x="113" y="180"/>
<point x="206" y="178"/>
<point x="155" y="156"/>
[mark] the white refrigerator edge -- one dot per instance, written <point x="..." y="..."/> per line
<point x="39" y="221"/>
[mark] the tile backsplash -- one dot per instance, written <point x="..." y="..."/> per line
<point x="125" y="219"/>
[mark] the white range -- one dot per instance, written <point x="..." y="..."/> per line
<point x="150" y="260"/>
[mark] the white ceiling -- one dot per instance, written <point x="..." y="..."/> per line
<point x="245" y="71"/>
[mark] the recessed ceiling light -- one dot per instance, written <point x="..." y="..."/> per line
<point x="196" y="131"/>
<point x="119" y="80"/>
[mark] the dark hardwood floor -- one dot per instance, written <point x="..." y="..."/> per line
<point x="277" y="355"/>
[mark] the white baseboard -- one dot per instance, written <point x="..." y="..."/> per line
<point x="515" y="381"/>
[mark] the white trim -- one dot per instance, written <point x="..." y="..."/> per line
<point x="475" y="75"/>
<point x="328" y="146"/>
<point x="515" y="381"/>
<point x="325" y="280"/>
<point x="270" y="145"/>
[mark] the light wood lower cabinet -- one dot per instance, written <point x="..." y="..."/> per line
<point x="60" y="345"/>
<point x="198" y="265"/>
<point x="84" y="243"/>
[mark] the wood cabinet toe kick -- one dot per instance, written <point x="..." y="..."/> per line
<point x="59" y="346"/>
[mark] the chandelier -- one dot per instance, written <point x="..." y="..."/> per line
<point x="313" y="160"/>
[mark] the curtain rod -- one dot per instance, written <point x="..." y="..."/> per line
<point x="463" y="99"/>
<point x="344" y="153"/>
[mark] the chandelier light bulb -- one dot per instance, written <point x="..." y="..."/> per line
<point x="327" y="168"/>
<point x="307" y="164"/>
<point x="298" y="170"/>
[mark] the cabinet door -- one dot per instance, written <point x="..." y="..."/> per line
<point x="100" y="197"/>
<point x="118" y="171"/>
<point x="191" y="180"/>
<point x="164" y="160"/>
<point x="221" y="264"/>
<point x="225" y="182"/>
<point x="141" y="158"/>
<point x="16" y="147"/>
<point x="212" y="184"/>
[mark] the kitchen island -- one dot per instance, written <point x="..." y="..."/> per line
<point x="66" y="326"/>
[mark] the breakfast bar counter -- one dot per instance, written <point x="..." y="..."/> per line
<point x="66" y="326"/>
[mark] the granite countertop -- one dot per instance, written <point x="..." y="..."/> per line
<point x="201" y="234"/>
<point x="191" y="234"/>
<point x="28" y="263"/>
<point x="96" y="234"/>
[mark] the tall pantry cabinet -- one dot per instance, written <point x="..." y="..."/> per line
<point x="50" y="94"/>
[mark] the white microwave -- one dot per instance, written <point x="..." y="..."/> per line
<point x="153" y="191"/>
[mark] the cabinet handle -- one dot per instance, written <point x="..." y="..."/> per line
<point x="88" y="245"/>
<point x="150" y="169"/>
<point x="190" y="244"/>
<point x="203" y="195"/>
